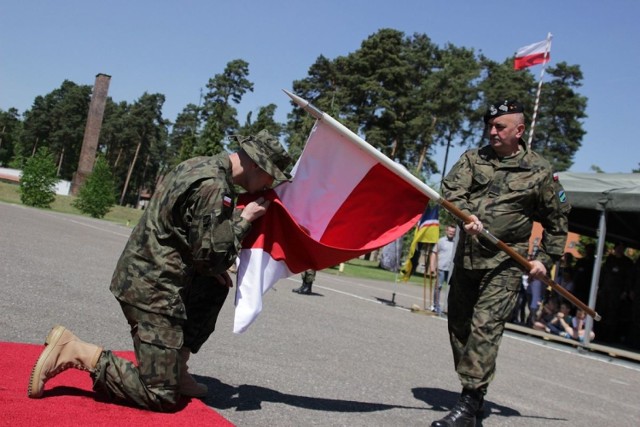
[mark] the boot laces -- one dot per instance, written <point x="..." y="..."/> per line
<point x="63" y="367"/>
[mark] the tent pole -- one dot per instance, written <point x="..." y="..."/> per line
<point x="595" y="277"/>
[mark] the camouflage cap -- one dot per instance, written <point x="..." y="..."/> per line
<point x="508" y="106"/>
<point x="266" y="151"/>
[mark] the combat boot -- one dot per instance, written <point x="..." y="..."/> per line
<point x="188" y="385"/>
<point x="463" y="414"/>
<point x="305" y="289"/>
<point x="63" y="351"/>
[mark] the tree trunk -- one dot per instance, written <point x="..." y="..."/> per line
<point x="117" y="158"/>
<point x="423" y="154"/>
<point x="126" y="182"/>
<point x="60" y="162"/>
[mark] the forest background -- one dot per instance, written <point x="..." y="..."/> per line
<point x="403" y="93"/>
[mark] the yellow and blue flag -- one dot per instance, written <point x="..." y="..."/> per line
<point x="427" y="231"/>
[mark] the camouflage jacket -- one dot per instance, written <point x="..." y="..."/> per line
<point x="190" y="227"/>
<point x="507" y="195"/>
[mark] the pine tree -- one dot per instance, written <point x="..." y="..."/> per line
<point x="97" y="195"/>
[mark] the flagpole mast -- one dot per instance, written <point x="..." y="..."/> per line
<point x="433" y="195"/>
<point x="535" y="108"/>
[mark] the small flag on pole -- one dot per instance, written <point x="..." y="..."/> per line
<point x="427" y="231"/>
<point x="533" y="54"/>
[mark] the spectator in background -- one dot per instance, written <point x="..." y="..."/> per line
<point x="566" y="263"/>
<point x="535" y="296"/>
<point x="613" y="295"/>
<point x="578" y="327"/>
<point x="561" y="324"/>
<point x="443" y="250"/>
<point x="565" y="281"/>
<point x="545" y="313"/>
<point x="583" y="271"/>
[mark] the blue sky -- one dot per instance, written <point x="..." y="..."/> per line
<point x="174" y="47"/>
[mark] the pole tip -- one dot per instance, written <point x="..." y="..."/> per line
<point x="301" y="102"/>
<point x="597" y="317"/>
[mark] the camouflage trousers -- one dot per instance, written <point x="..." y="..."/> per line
<point x="157" y="340"/>
<point x="480" y="303"/>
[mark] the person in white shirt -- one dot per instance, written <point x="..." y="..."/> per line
<point x="443" y="251"/>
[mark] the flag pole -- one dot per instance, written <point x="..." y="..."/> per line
<point x="433" y="195"/>
<point x="535" y="108"/>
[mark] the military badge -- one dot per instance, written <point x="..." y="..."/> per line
<point x="562" y="196"/>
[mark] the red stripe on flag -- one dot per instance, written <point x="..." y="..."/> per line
<point x="369" y="217"/>
<point x="530" y="60"/>
<point x="351" y="233"/>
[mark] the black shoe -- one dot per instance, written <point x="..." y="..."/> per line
<point x="303" y="290"/>
<point x="464" y="413"/>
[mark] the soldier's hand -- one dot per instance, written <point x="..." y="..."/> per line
<point x="537" y="269"/>
<point x="474" y="227"/>
<point x="255" y="209"/>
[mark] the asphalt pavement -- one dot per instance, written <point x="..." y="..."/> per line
<point x="344" y="356"/>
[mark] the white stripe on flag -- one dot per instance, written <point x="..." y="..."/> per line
<point x="532" y="49"/>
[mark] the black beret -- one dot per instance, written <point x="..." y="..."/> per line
<point x="508" y="106"/>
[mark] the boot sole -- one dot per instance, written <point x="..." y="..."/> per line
<point x="50" y="342"/>
<point x="197" y="395"/>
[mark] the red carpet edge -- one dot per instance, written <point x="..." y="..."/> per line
<point x="69" y="400"/>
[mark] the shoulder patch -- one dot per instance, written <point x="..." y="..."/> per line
<point x="562" y="196"/>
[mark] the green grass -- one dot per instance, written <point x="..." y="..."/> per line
<point x="370" y="270"/>
<point x="127" y="216"/>
<point x="10" y="193"/>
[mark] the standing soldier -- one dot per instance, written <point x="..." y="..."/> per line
<point x="507" y="187"/>
<point x="308" y="276"/>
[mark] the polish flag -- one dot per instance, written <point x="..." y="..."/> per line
<point x="341" y="203"/>
<point x="533" y="54"/>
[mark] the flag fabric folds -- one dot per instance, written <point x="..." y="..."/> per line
<point x="533" y="54"/>
<point x="427" y="231"/>
<point x="341" y="203"/>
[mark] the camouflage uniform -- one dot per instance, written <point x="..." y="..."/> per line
<point x="163" y="280"/>
<point x="507" y="195"/>
<point x="308" y="276"/>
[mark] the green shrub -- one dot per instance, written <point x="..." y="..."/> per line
<point x="38" y="180"/>
<point x="97" y="196"/>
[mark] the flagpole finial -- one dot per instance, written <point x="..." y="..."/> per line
<point x="306" y="105"/>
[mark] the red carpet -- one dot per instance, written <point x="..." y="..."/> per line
<point x="69" y="400"/>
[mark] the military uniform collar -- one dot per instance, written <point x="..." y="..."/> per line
<point x="520" y="159"/>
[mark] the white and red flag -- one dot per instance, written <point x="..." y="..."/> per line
<point x="533" y="54"/>
<point x="341" y="203"/>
